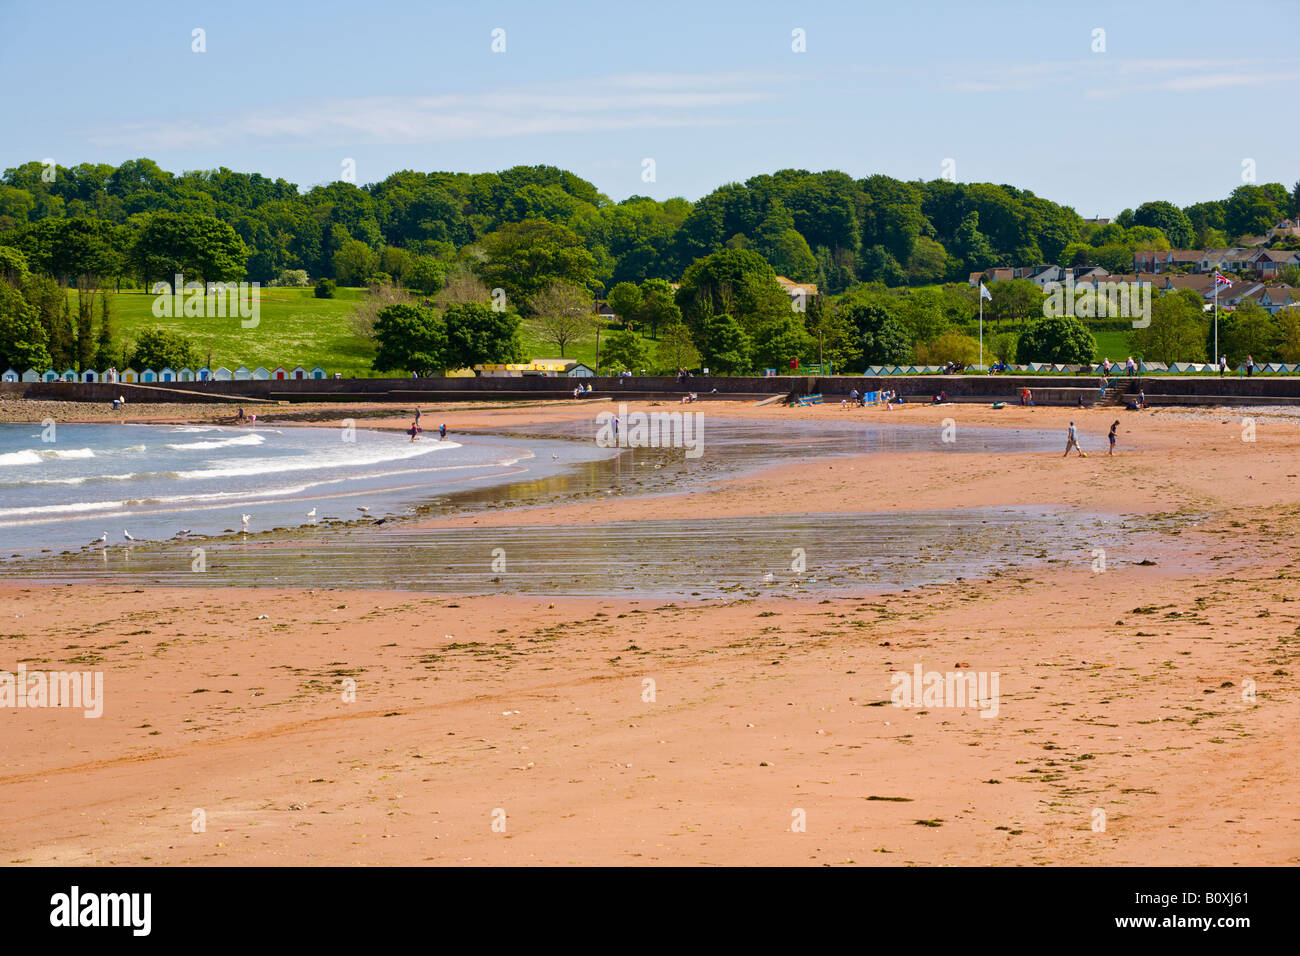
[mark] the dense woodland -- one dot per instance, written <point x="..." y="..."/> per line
<point x="890" y="257"/>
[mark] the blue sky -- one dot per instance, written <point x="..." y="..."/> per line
<point x="711" y="91"/>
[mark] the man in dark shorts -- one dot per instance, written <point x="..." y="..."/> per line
<point x="1114" y="425"/>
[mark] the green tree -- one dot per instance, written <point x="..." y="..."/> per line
<point x="625" y="349"/>
<point x="355" y="263"/>
<point x="159" y="349"/>
<point x="524" y="257"/>
<point x="1248" y="330"/>
<point x="1169" y="219"/>
<point x="952" y="346"/>
<point x="104" y="347"/>
<point x="410" y="339"/>
<point x="1177" y="329"/>
<point x="736" y="282"/>
<point x="22" y="337"/>
<point x="778" y="343"/>
<point x="625" y="300"/>
<point x="881" y="336"/>
<point x="658" y="306"/>
<point x="325" y="288"/>
<point x="676" y="350"/>
<point x="564" y="313"/>
<point x="201" y="248"/>
<point x="724" y="345"/>
<point x="427" y="275"/>
<point x="477" y="333"/>
<point x="1061" y="340"/>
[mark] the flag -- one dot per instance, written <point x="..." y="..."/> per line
<point x="1222" y="280"/>
<point x="985" y="293"/>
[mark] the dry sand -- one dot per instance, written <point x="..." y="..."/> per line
<point x="1120" y="692"/>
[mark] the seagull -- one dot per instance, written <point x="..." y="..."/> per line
<point x="184" y="531"/>
<point x="553" y="455"/>
<point x="127" y="535"/>
<point x="363" y="508"/>
<point x="312" y="513"/>
<point x="103" y="539"/>
<point x="245" y="519"/>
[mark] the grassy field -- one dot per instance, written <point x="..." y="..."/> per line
<point x="295" y="328"/>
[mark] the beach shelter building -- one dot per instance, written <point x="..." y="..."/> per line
<point x="50" y="375"/>
<point x="242" y="374"/>
<point x="89" y="375"/>
<point x="318" y="372"/>
<point x="203" y="374"/>
<point x="10" y="375"/>
<point x="261" y="374"/>
<point x="167" y="375"/>
<point x="299" y="372"/>
<point x="186" y="375"/>
<point x="221" y="374"/>
<point x="69" y="375"/>
<point x="148" y="375"/>
<point x="31" y="375"/>
<point x="280" y="373"/>
<point x="129" y="375"/>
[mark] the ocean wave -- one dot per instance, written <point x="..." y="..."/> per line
<point x="267" y="466"/>
<point x="134" y="448"/>
<point x="36" y="456"/>
<point x="249" y="439"/>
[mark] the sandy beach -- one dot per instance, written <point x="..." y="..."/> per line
<point x="1146" y="713"/>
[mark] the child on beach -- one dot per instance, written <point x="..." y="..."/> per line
<point x="442" y="432"/>
<point x="1113" y="425"/>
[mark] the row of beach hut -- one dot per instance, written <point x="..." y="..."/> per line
<point x="149" y="376"/>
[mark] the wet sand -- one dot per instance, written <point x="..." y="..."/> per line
<point x="1122" y="690"/>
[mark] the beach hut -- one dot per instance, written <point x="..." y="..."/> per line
<point x="31" y="375"/>
<point x="261" y="374"/>
<point x="69" y="375"/>
<point x="202" y="374"/>
<point x="318" y="372"/>
<point x="871" y="370"/>
<point x="167" y="375"/>
<point x="50" y="375"/>
<point x="242" y="374"/>
<point x="280" y="373"/>
<point x="221" y="374"/>
<point x="10" y="375"/>
<point x="148" y="375"/>
<point x="129" y="375"/>
<point x="299" y="372"/>
<point x="89" y="375"/>
<point x="185" y="375"/>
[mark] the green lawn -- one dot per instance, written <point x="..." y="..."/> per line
<point x="1112" y="345"/>
<point x="294" y="328"/>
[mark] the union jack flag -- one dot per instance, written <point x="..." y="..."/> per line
<point x="1222" y="280"/>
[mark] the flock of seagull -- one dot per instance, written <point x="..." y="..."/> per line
<point x="243" y="520"/>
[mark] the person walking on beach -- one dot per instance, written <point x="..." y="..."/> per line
<point x="1072" y="441"/>
<point x="1250" y="366"/>
<point x="442" y="432"/>
<point x="1113" y="425"/>
<point x="1223" y="365"/>
<point x="417" y="418"/>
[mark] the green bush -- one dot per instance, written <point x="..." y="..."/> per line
<point x="325" y="288"/>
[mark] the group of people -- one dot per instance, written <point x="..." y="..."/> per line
<point x="241" y="417"/>
<point x="581" y="390"/>
<point x="415" y="429"/>
<point x="888" y="397"/>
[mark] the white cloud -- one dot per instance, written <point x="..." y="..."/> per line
<point x="631" y="101"/>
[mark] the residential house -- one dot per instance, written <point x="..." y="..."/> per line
<point x="1164" y="260"/>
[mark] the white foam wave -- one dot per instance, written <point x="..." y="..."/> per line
<point x="35" y="456"/>
<point x="267" y="466"/>
<point x="250" y="439"/>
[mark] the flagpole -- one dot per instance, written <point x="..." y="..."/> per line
<point x="981" y="326"/>
<point x="1216" y="319"/>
